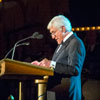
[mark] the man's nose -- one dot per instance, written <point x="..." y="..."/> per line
<point x="53" y="37"/>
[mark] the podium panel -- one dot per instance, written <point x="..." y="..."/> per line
<point x="14" y="67"/>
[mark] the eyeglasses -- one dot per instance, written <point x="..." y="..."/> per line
<point x="54" y="33"/>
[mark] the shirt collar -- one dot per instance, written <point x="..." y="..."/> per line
<point x="67" y="36"/>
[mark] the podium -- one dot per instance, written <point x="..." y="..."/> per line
<point x="12" y="69"/>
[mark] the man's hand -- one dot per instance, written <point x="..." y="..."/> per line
<point x="45" y="63"/>
<point x="35" y="63"/>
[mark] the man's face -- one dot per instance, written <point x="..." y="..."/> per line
<point x="56" y="34"/>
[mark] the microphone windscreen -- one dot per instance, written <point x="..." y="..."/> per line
<point x="35" y="34"/>
<point x="40" y="36"/>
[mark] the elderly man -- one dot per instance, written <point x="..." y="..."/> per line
<point x="67" y="60"/>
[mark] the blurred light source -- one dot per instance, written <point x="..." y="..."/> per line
<point x="93" y="28"/>
<point x="73" y="29"/>
<point x="77" y="29"/>
<point x="0" y="0"/>
<point x="86" y="28"/>
<point x="98" y="28"/>
<point x="82" y="28"/>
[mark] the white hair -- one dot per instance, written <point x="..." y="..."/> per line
<point x="59" y="21"/>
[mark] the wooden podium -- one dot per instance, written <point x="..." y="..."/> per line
<point x="11" y="68"/>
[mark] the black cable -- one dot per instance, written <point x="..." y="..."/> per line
<point x="42" y="95"/>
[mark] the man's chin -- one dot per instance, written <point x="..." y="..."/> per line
<point x="59" y="42"/>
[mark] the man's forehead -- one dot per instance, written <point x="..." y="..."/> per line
<point x="53" y="29"/>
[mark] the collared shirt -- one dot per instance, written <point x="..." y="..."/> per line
<point x="53" y="63"/>
<point x="67" y="36"/>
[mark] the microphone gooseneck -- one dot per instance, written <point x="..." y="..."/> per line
<point x="40" y="36"/>
<point x="26" y="43"/>
<point x="35" y="35"/>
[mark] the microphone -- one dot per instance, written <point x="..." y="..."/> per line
<point x="34" y="35"/>
<point x="26" y="43"/>
<point x="40" y="36"/>
<point x="37" y="35"/>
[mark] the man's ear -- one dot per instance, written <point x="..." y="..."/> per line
<point x="63" y="29"/>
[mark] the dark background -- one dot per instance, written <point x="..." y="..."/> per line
<point x="21" y="18"/>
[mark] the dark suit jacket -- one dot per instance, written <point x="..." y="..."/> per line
<point x="69" y="62"/>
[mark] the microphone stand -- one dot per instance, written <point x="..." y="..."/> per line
<point x="26" y="43"/>
<point x="16" y="45"/>
<point x="33" y="36"/>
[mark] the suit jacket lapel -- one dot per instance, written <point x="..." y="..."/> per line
<point x="55" y="53"/>
<point x="65" y="44"/>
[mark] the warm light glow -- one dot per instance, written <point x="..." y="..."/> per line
<point x="82" y="28"/>
<point x="0" y="0"/>
<point x="73" y="29"/>
<point x="77" y="29"/>
<point x="87" y="28"/>
<point x="98" y="28"/>
<point x="92" y="28"/>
